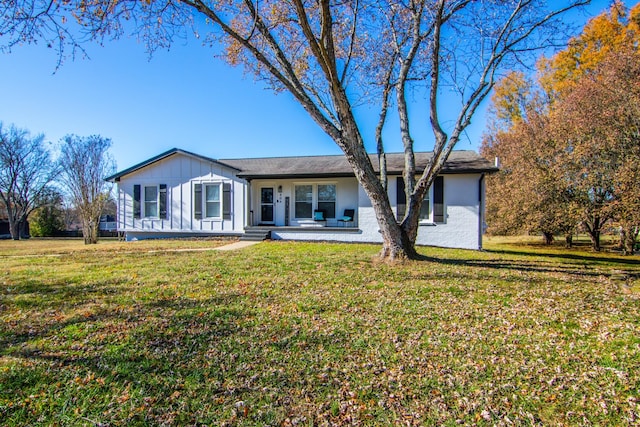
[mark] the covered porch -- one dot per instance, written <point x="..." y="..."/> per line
<point x="304" y="204"/>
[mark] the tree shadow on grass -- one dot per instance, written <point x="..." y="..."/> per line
<point x="579" y="266"/>
<point x="218" y="349"/>
<point x="126" y="317"/>
<point x="630" y="261"/>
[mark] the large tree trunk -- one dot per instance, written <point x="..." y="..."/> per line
<point x="90" y="231"/>
<point x="395" y="246"/>
<point x="14" y="225"/>
<point x="594" y="227"/>
<point x="23" y="227"/>
<point x="594" y="235"/>
<point x="14" y="228"/>
<point x="397" y="243"/>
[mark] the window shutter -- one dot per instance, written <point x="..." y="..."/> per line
<point x="136" y="201"/>
<point x="197" y="201"/>
<point x="163" y="201"/>
<point x="226" y="200"/>
<point x="438" y="199"/>
<point x="401" y="198"/>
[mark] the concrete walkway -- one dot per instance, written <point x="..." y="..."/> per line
<point x="230" y="247"/>
<point x="235" y="245"/>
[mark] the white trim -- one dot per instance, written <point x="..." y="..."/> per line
<point x="314" y="197"/>
<point x="204" y="200"/>
<point x="295" y="200"/>
<point x="143" y="196"/>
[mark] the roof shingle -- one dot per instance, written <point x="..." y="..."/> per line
<point x="462" y="161"/>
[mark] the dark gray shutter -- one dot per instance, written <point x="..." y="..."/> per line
<point x="163" y="201"/>
<point x="226" y="200"/>
<point x="438" y="199"/>
<point x="401" y="198"/>
<point x="136" y="201"/>
<point x="197" y="201"/>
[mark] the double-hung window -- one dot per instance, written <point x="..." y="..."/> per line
<point x="212" y="200"/>
<point x="303" y="201"/>
<point x="310" y="197"/>
<point x="327" y="199"/>
<point x="150" y="201"/>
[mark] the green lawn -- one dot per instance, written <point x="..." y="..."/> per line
<point x="316" y="334"/>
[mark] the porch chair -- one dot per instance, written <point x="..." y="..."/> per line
<point x="318" y="216"/>
<point x="347" y="217"/>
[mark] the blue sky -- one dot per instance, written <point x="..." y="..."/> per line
<point x="181" y="98"/>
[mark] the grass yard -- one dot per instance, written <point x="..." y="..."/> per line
<point x="287" y="334"/>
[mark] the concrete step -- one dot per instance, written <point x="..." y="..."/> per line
<point x="255" y="235"/>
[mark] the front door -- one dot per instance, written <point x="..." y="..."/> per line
<point x="266" y="205"/>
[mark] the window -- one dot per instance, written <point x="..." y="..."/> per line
<point x="150" y="201"/>
<point x="304" y="201"/>
<point x="212" y="201"/>
<point x="424" y="209"/>
<point x="432" y="208"/>
<point x="327" y="199"/>
<point x="155" y="201"/>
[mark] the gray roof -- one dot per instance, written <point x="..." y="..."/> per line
<point x="159" y="157"/>
<point x="463" y="161"/>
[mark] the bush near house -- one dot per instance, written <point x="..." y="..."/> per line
<point x="149" y="333"/>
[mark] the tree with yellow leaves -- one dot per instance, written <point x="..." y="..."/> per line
<point x="582" y="164"/>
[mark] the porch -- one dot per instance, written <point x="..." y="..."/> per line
<point x="294" y="202"/>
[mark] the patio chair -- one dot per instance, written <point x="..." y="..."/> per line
<point x="318" y="216"/>
<point x="347" y="217"/>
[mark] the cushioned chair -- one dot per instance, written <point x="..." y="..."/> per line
<point x="318" y="216"/>
<point x="347" y="217"/>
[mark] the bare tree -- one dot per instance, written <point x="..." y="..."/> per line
<point x="332" y="56"/>
<point x="26" y="173"/>
<point x="85" y="163"/>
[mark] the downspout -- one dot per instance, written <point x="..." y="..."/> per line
<point x="480" y="211"/>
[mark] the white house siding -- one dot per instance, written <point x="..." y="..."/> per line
<point x="463" y="215"/>
<point x="346" y="198"/>
<point x="179" y="172"/>
<point x="461" y="229"/>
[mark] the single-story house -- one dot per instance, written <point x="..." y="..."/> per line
<point x="179" y="193"/>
